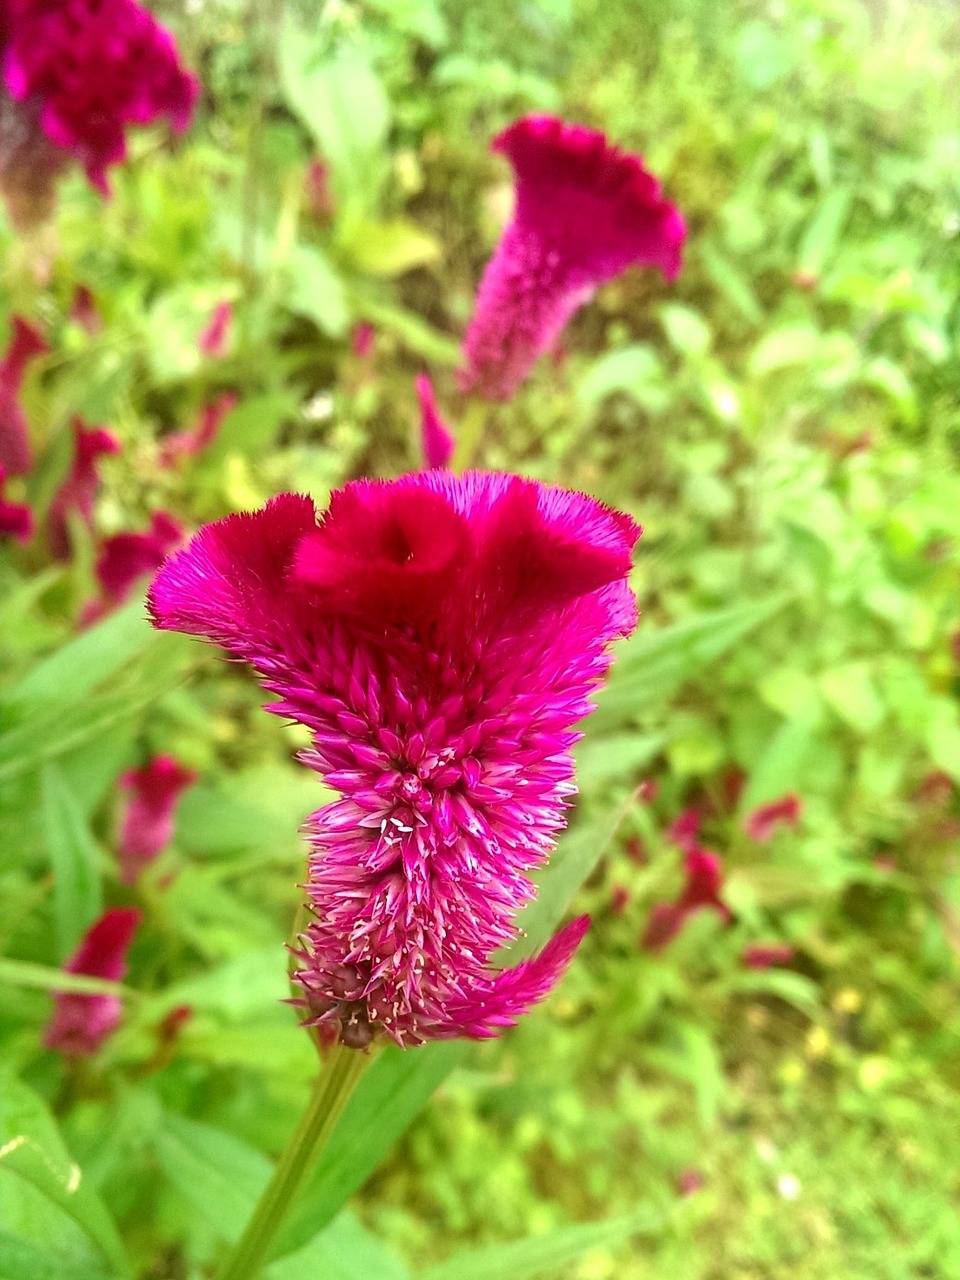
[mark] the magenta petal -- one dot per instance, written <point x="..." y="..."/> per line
<point x="81" y="1023"/>
<point x="761" y="823"/>
<point x="585" y="211"/>
<point x="127" y="557"/>
<point x="147" y="827"/>
<point x="79" y="488"/>
<point x="16" y="518"/>
<point x="436" y="441"/>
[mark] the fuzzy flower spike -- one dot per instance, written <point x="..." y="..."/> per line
<point x="585" y="211"/>
<point x="441" y="637"/>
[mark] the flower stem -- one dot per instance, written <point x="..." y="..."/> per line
<point x="331" y="1091"/>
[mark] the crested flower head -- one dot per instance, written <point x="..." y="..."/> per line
<point x="761" y="823"/>
<point x="26" y="343"/>
<point x="16" y="518"/>
<point x="147" y="827"/>
<point x="82" y="70"/>
<point x="585" y="211"/>
<point x="436" y="441"/>
<point x="440" y="637"/>
<point x="79" y="488"/>
<point x="81" y="1023"/>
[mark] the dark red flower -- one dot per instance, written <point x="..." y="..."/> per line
<point x="767" y="955"/>
<point x="81" y="1023"/>
<point x="16" y="518"/>
<point x="704" y="881"/>
<point x="684" y="829"/>
<point x="214" y="339"/>
<point x="26" y="343"/>
<point x="155" y="790"/>
<point x="761" y="823"/>
<point x="188" y="444"/>
<point x="362" y="340"/>
<point x="78" y="490"/>
<point x="126" y="558"/>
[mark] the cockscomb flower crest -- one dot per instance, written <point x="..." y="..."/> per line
<point x="76" y="73"/>
<point x="440" y="636"/>
<point x="81" y="1023"/>
<point x="584" y="212"/>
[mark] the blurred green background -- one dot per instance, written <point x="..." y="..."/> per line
<point x="784" y="421"/>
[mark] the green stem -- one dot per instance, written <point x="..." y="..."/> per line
<point x="331" y="1091"/>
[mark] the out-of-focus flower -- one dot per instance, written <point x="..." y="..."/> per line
<point x="75" y="74"/>
<point x="79" y="488"/>
<point x="767" y="955"/>
<point x="147" y="828"/>
<point x="704" y="881"/>
<point x="362" y="340"/>
<point x="585" y="211"/>
<point x="319" y="196"/>
<point x="648" y="790"/>
<point x="126" y="558"/>
<point x="215" y="338"/>
<point x="26" y="343"/>
<point x="619" y="899"/>
<point x="84" y="310"/>
<point x="16" y="518"/>
<point x="436" y="442"/>
<point x="684" y="829"/>
<point x="690" y="1181"/>
<point x="188" y="444"/>
<point x="440" y="636"/>
<point x="761" y="823"/>
<point x="81" y="1023"/>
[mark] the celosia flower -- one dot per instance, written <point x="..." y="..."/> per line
<point x="147" y="827"/>
<point x="320" y="199"/>
<point x="440" y="636"/>
<point x="585" y="211"/>
<point x="684" y="829"/>
<point x="81" y="1023"/>
<point x="704" y="880"/>
<point x="25" y="344"/>
<point x="436" y="441"/>
<point x="362" y="340"/>
<point x="619" y="899"/>
<point x="215" y="337"/>
<point x="188" y="444"/>
<point x="16" y="518"/>
<point x="761" y="823"/>
<point x="767" y="955"/>
<point x="79" y="488"/>
<point x="85" y="69"/>
<point x="126" y="558"/>
<point x="84" y="310"/>
<point x="690" y="1181"/>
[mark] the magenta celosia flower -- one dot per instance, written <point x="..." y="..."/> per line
<point x="81" y="1023"/>
<point x="84" y="310"/>
<point x="363" y="339"/>
<point x="440" y="636"/>
<point x="585" y="211"/>
<point x="761" y="823"/>
<point x="26" y="343"/>
<point x="704" y="881"/>
<point x="690" y="1181"/>
<point x="79" y="488"/>
<point x="436" y="441"/>
<point x="214" y="339"/>
<point x="147" y="826"/>
<point x="320" y="200"/>
<point x="684" y="829"/>
<point x="85" y="69"/>
<point x="126" y="558"/>
<point x="767" y="955"/>
<point x="188" y="444"/>
<point x="16" y="518"/>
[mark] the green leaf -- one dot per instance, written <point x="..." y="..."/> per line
<point x="316" y="291"/>
<point x="552" y="1251"/>
<point x="23" y="1260"/>
<point x="22" y="973"/>
<point x="782" y="761"/>
<point x="635" y="371"/>
<point x="31" y="1148"/>
<point x="419" y="337"/>
<point x="823" y="234"/>
<point x="252" y="426"/>
<point x="850" y="691"/>
<point x="619" y="755"/>
<point x="75" y="859"/>
<point x="345" y="1250"/>
<point x="687" y="331"/>
<point x="797" y="344"/>
<point x="389" y="248"/>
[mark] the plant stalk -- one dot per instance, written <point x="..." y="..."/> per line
<point x="331" y="1091"/>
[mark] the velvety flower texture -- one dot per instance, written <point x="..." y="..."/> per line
<point x="79" y="488"/>
<point x="436" y="442"/>
<point x="147" y="826"/>
<point x="584" y="212"/>
<point x="26" y="343"/>
<point x="440" y="636"/>
<point x="85" y="69"/>
<point x="81" y="1023"/>
<point x="16" y="518"/>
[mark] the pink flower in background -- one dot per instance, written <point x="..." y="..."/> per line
<point x="684" y="830"/>
<point x="704" y="881"/>
<point x="26" y="343"/>
<point x="690" y="1181"/>
<point x="84" y="310"/>
<point x="78" y="490"/>
<point x="648" y="790"/>
<point x="362" y="340"/>
<point x="585" y="211"/>
<point x="619" y="899"/>
<point x="84" y="70"/>
<point x="767" y="955"/>
<point x="188" y="444"/>
<point x="126" y="558"/>
<point x="215" y="338"/>
<point x="147" y="827"/>
<point x="436" y="441"/>
<point x="16" y="518"/>
<point x="761" y="823"/>
<point x="81" y="1023"/>
<point x="320" y="199"/>
<point x="440" y="636"/>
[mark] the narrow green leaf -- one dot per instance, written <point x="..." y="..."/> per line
<point x="823" y="234"/>
<point x="22" y="973"/>
<point x="553" y="1251"/>
<point x="75" y="859"/>
<point x="345" y="1250"/>
<point x="32" y="1149"/>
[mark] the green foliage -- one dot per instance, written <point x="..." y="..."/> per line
<point x="784" y="421"/>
